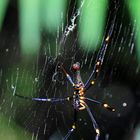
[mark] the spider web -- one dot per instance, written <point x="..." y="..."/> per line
<point x="52" y="121"/>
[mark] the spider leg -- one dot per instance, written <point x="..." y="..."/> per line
<point x="73" y="127"/>
<point x="66" y="74"/>
<point x="104" y="105"/>
<point x="94" y="101"/>
<point x="41" y="99"/>
<point x="52" y="100"/>
<point x="89" y="86"/>
<point x="102" y="52"/>
<point x="95" y="125"/>
<point x="70" y="131"/>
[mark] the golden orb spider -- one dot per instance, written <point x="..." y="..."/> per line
<point x="78" y="98"/>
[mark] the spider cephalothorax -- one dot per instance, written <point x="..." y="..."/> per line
<point x="76" y="66"/>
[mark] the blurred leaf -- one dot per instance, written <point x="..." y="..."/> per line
<point x="134" y="8"/>
<point x="92" y="22"/>
<point x="29" y="15"/>
<point x="53" y="12"/>
<point x="3" y="7"/>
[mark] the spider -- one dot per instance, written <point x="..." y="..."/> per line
<point x="78" y="97"/>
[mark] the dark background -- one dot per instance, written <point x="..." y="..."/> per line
<point x="118" y="83"/>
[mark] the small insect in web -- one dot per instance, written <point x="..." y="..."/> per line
<point x="78" y="98"/>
